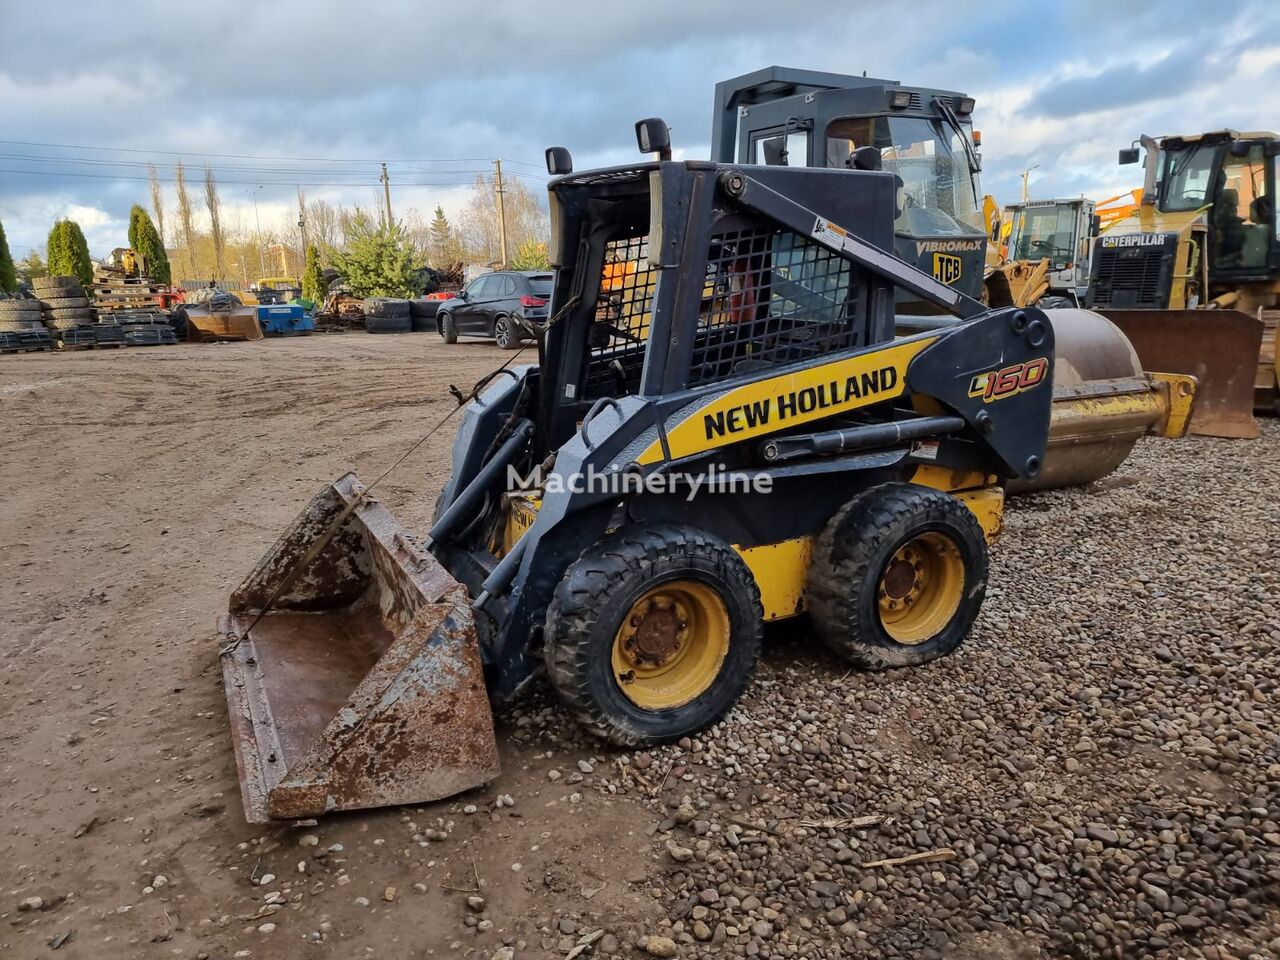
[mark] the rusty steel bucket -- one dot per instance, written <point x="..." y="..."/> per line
<point x="353" y="678"/>
<point x="1220" y="348"/>
<point x="208" y="323"/>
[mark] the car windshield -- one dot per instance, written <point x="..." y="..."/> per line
<point x="1044" y="231"/>
<point x="942" y="192"/>
<point x="1185" y="174"/>
<point x="541" y="285"/>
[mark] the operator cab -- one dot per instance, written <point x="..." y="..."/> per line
<point x="1231" y="178"/>
<point x="785" y="117"/>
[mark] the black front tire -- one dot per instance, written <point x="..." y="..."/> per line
<point x="598" y="592"/>
<point x="853" y="554"/>
<point x="447" y="330"/>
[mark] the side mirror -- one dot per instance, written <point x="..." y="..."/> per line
<point x="654" y="136"/>
<point x="1095" y="225"/>
<point x="559" y="161"/>
<point x="1129" y="155"/>
<point x="461" y="294"/>
<point x="865" y="158"/>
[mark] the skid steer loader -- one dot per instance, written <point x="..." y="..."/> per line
<point x="740" y="438"/>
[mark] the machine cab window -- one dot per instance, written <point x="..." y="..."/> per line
<point x="941" y="195"/>
<point x="1243" y="212"/>
<point x="1185" y="177"/>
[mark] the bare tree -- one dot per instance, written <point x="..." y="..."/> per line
<point x="324" y="228"/>
<point x="215" y="219"/>
<point x="184" y="219"/>
<point x="157" y="200"/>
<point x="526" y="220"/>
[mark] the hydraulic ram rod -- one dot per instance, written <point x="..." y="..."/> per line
<point x="858" y="438"/>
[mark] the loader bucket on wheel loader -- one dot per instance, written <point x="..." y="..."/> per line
<point x="361" y="684"/>
<point x="1220" y="348"/>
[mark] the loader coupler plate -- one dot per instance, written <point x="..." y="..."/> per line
<point x="1219" y="348"/>
<point x="361" y="685"/>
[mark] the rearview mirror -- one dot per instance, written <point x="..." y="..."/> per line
<point x="654" y="136"/>
<point x="1129" y="155"/>
<point x="559" y="161"/>
<point x="1240" y="148"/>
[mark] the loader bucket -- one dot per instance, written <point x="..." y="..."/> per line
<point x="209" y="325"/>
<point x="1220" y="348"/>
<point x="361" y="685"/>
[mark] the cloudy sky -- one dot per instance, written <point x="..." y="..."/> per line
<point x="275" y="93"/>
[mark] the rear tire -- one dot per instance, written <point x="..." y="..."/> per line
<point x="447" y="330"/>
<point x="505" y="334"/>
<point x="653" y="633"/>
<point x="897" y="576"/>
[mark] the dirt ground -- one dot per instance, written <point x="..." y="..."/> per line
<point x="140" y="487"/>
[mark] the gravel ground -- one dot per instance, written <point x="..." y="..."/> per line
<point x="1096" y="773"/>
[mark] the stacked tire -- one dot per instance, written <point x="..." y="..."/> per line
<point x="17" y="316"/>
<point x="387" y="315"/>
<point x="65" y="304"/>
<point x="422" y="315"/>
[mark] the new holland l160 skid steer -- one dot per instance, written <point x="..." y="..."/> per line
<point x="721" y="431"/>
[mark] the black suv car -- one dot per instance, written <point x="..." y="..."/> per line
<point x="487" y="305"/>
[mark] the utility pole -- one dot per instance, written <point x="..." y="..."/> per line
<point x="502" y="211"/>
<point x="386" y="192"/>
<point x="1026" y="176"/>
<point x="302" y="221"/>
<point x="262" y="263"/>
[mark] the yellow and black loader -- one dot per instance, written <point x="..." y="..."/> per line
<point x="738" y="439"/>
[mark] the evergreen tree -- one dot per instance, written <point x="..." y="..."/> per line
<point x="144" y="238"/>
<point x="31" y="266"/>
<point x="8" y="275"/>
<point x="69" y="252"/>
<point x="378" y="261"/>
<point x="313" y="286"/>
<point x="530" y="255"/>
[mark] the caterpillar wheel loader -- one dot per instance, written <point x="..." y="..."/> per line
<point x="1192" y="276"/>
<point x="738" y="439"/>
<point x="780" y="116"/>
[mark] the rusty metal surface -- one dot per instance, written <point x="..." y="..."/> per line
<point x="363" y="685"/>
<point x="1221" y="348"/>
<point x="238" y="323"/>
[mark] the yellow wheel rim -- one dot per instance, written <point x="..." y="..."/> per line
<point x="671" y="645"/>
<point x="921" y="588"/>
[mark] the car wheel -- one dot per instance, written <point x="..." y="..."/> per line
<point x="447" y="330"/>
<point x="505" y="334"/>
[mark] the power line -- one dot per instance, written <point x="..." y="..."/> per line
<point x="249" y="156"/>
<point x="248" y="183"/>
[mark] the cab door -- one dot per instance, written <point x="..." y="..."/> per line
<point x="1242" y="220"/>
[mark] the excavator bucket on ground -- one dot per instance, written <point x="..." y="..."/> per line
<point x="351" y="669"/>
<point x="1220" y="348"/>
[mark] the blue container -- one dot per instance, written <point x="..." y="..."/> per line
<point x="284" y="320"/>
